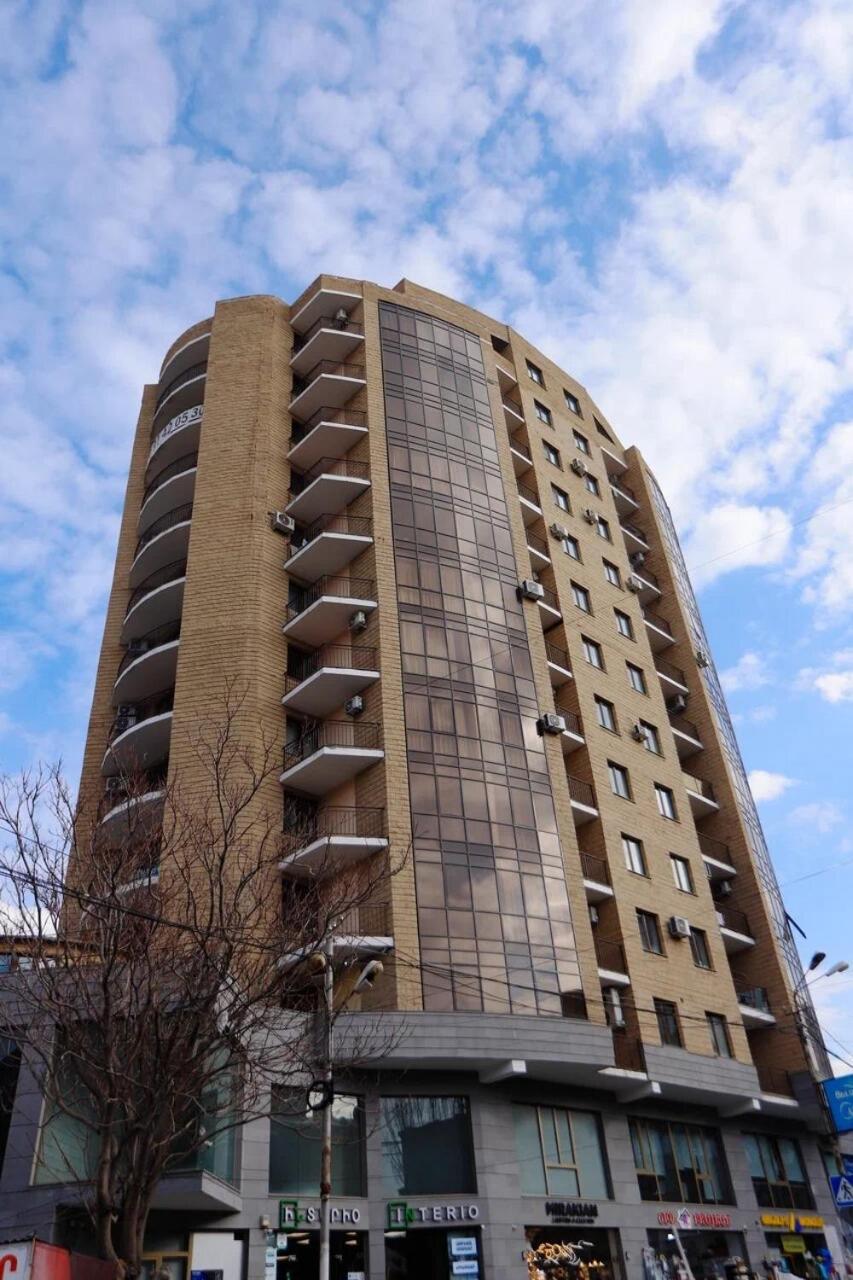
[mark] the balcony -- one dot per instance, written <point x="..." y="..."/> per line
<point x="648" y="586"/>
<point x="172" y="487"/>
<point x="775" y="1081"/>
<point x="549" y="609"/>
<point x="672" y="678"/>
<point x="513" y="413"/>
<point x="507" y="376"/>
<point x="716" y="857"/>
<point x="158" y="599"/>
<point x="363" y="932"/>
<point x="635" y="537"/>
<point x="624" y="498"/>
<point x="328" y="545"/>
<point x="329" y="382"/>
<point x="179" y="436"/>
<point x="628" y="1052"/>
<point x="658" y="631"/>
<point x="522" y="458"/>
<point x="530" y="508"/>
<point x="559" y="666"/>
<point x="320" y="682"/>
<point x="596" y="877"/>
<point x="329" y="486"/>
<point x="334" y="837"/>
<point x="612" y="965"/>
<point x="734" y="929"/>
<point x="150" y="662"/>
<point x="330" y="754"/>
<point x="320" y="613"/>
<point x="328" y="433"/>
<point x="755" y="1008"/>
<point x="186" y="385"/>
<point x="538" y="549"/>
<point x="686" y="737"/>
<point x="572" y="736"/>
<point x="133" y="805"/>
<point x="140" y="733"/>
<point x="701" y="796"/>
<point x="614" y="463"/>
<point x="193" y="352"/>
<point x="326" y="339"/>
<point x="324" y="302"/>
<point x="163" y="542"/>
<point x="582" y="797"/>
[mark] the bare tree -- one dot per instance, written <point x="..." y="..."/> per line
<point x="166" y="992"/>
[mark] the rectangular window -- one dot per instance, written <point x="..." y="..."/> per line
<point x="668" y="1027"/>
<point x="572" y="547"/>
<point x="296" y="1143"/>
<point x="543" y="413"/>
<point x="611" y="573"/>
<point x="592" y="486"/>
<point x="573" y="403"/>
<point x="605" y="714"/>
<point x="679" y="1162"/>
<point x="719" y="1030"/>
<point x="534" y="373"/>
<point x="427" y="1148"/>
<point x="681" y="873"/>
<point x="561" y="499"/>
<point x="560" y="1153"/>
<point x="624" y="625"/>
<point x="581" y="597"/>
<point x="636" y="678"/>
<point x="699" y="948"/>
<point x="635" y="857"/>
<point x="552" y="455"/>
<point x="619" y="780"/>
<point x="666" y="802"/>
<point x="650" y="935"/>
<point x="581" y="442"/>
<point x="602" y="528"/>
<point x="778" y="1174"/>
<point x="651" y="737"/>
<point x="593" y="653"/>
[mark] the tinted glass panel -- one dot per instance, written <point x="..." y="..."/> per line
<point x="426" y="1146"/>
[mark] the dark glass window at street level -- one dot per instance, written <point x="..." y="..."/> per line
<point x="680" y="1162"/>
<point x="296" y="1145"/>
<point x="427" y="1146"/>
<point x="778" y="1175"/>
<point x="493" y="911"/>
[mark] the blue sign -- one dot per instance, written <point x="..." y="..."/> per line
<point x="842" y="1189"/>
<point x="839" y="1099"/>
<point x="847" y="1166"/>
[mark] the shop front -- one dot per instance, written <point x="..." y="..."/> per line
<point x="796" y="1243"/>
<point x="571" y="1252"/>
<point x="713" y="1250"/>
<point x="293" y="1251"/>
<point x="433" y="1241"/>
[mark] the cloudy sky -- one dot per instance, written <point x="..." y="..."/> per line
<point x="658" y="192"/>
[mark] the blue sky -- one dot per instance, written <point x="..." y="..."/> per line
<point x="658" y="192"/>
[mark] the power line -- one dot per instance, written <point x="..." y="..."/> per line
<point x="795" y="524"/>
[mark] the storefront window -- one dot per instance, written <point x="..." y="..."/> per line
<point x="713" y="1255"/>
<point x="558" y="1253"/>
<point x="778" y="1175"/>
<point x="295" y="1145"/>
<point x="426" y="1146"/>
<point x="560" y="1153"/>
<point x="680" y="1162"/>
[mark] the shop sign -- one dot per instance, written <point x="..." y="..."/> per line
<point x="792" y="1221"/>
<point x="293" y="1214"/>
<point x="568" y="1211"/>
<point x="401" y="1214"/>
<point x="695" y="1219"/>
<point x="466" y="1267"/>
<point x="839" y="1098"/>
<point x="793" y="1244"/>
<point x="463" y="1246"/>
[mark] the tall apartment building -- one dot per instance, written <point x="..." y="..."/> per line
<point x="477" y="640"/>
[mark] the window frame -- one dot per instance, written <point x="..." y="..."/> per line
<point x="698" y="963"/>
<point x="677" y="860"/>
<point x="642" y="687"/>
<point x="629" y="634"/>
<point x="620" y="771"/>
<point x="651" y="735"/>
<point x="534" y="373"/>
<point x="574" y="554"/>
<point x="552" y="454"/>
<point x="668" y="1009"/>
<point x="719" y="1022"/>
<point x="602" y="528"/>
<point x="581" y="443"/>
<point x="611" y="712"/>
<point x="648" y="925"/>
<point x="592" y="486"/>
<point x="705" y="1148"/>
<point x="767" y="1189"/>
<point x="581" y="597"/>
<point x="612" y="573"/>
<point x="559" y="497"/>
<point x="628" y="841"/>
<point x="471" y="1153"/>
<point x="573" y="404"/>
<point x="662" y="790"/>
<point x="590" y="645"/>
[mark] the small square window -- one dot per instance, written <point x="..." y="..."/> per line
<point x="606" y="714"/>
<point x="620" y="783"/>
<point x="572" y="547"/>
<point x="601" y="430"/>
<point x="535" y="374"/>
<point x="561" y="498"/>
<point x="650" y="935"/>
<point x="581" y="442"/>
<point x="581" y="597"/>
<point x="681" y="873"/>
<point x="699" y="948"/>
<point x="593" y="653"/>
<point x="624" y="625"/>
<point x="651" y="737"/>
<point x="602" y="528"/>
<point x="666" y="802"/>
<point x="592" y="486"/>
<point x="543" y="413"/>
<point x="668" y="1028"/>
<point x="500" y="345"/>
<point x="611" y="573"/>
<point x="635" y="857"/>
<point x="552" y="454"/>
<point x="720" y="1039"/>
<point x="573" y="403"/>
<point x="636" y="677"/>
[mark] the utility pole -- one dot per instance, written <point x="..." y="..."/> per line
<point x="328" y="1100"/>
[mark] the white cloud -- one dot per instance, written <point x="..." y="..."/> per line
<point x="834" y="682"/>
<point x="732" y="536"/>
<point x="749" y="672"/>
<point x="768" y="786"/>
<point x="820" y="816"/>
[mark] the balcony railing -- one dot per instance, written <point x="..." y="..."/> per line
<point x="513" y="408"/>
<point x="774" y="1080"/>
<point x="628" y="1051"/>
<point x="558" y="656"/>
<point x="151" y="640"/>
<point x="620" y="484"/>
<point x="176" y="468"/>
<point x="180" y="515"/>
<point x="371" y="919"/>
<point x="352" y="734"/>
<point x="550" y="598"/>
<point x="713" y="848"/>
<point x="685" y="726"/>
<point x="657" y="621"/>
<point x="336" y="820"/>
<point x="755" y="998"/>
<point x="520" y="447"/>
<point x="358" y="526"/>
<point x="610" y="955"/>
<point x="530" y="495"/>
<point x="169" y="573"/>
<point x="326" y="322"/>
<point x="301" y="598"/>
<point x="538" y="544"/>
<point x="194" y="371"/>
<point x="667" y="669"/>
<point x="573" y="721"/>
<point x="635" y="530"/>
<point x="349" y="657"/>
<point x="133" y="787"/>
<point x="143" y="709"/>
<point x="647" y="576"/>
<point x="333" y="368"/>
<point x="731" y="918"/>
<point x="594" y="868"/>
<point x="581" y="792"/>
<point x="346" y="417"/>
<point x="700" y="786"/>
<point x="345" y="467"/>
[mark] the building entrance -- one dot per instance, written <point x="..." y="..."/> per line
<point x="300" y="1259"/>
<point x="713" y="1255"/>
<point x="427" y="1254"/>
<point x="569" y="1253"/>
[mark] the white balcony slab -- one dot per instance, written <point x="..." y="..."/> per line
<point x="152" y="670"/>
<point x="328" y="343"/>
<point x="326" y="554"/>
<point x="329" y="767"/>
<point x="325" y="619"/>
<point x="326" y="690"/>
<point x="143" y="745"/>
<point x="326" y="495"/>
<point x="325" y="302"/>
<point x="325" y="855"/>
<point x="332" y="389"/>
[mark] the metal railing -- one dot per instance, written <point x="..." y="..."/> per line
<point x="755" y="998"/>
<point x="194" y="371"/>
<point x="664" y="668"/>
<point x="346" y="467"/>
<point x="520" y="447"/>
<point x="530" y="495"/>
<point x="657" y="621"/>
<point x="713" y="848"/>
<point x="647" y="576"/>
<point x="774" y="1080"/>
<point x="345" y="417"/>
<point x="610" y="955"/>
<point x="538" y="544"/>
<point x="336" y="820"/>
<point x="132" y="787"/>
<point x="332" y="368"/>
<point x="325" y="322"/>
<point x="513" y="408"/>
<point x="550" y="598"/>
<point x="628" y="1051"/>
<point x="180" y="515"/>
<point x="617" y="483"/>
<point x="358" y="526"/>
<point x="680" y="725"/>
<point x="594" y="868"/>
<point x="301" y="598"/>
<point x="153" y="639"/>
<point x="732" y="918"/>
<point x="573" y="721"/>
<point x="169" y="573"/>
<point x="187" y="463"/>
<point x="635" y="529"/>
<point x="558" y="656"/>
<point x="157" y="704"/>
<point x="699" y="785"/>
<point x="370" y="919"/>
<point x="581" y="792"/>
<point x="354" y="734"/>
<point x="344" y="657"/>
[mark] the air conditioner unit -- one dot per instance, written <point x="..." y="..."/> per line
<point x="551" y="722"/>
<point x="589" y="515"/>
<point x="633" y="583"/>
<point x="677" y="703"/>
<point x="593" y="913"/>
<point x="354" y="706"/>
<point x="580" y="468"/>
<point x="358" y="620"/>
<point x="638" y="733"/>
<point x="724" y="889"/>
<point x="115" y="786"/>
<point x="559" y="530"/>
<point x="637" y="558"/>
<point x="702" y="659"/>
<point x="679" y="927"/>
<point x="530" y="589"/>
<point x="282" y="523"/>
<point x="617" y="1022"/>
